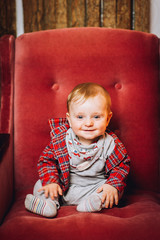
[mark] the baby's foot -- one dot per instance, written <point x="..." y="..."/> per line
<point x="39" y="206"/>
<point x="91" y="204"/>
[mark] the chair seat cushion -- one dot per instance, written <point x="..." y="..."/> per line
<point x="130" y="220"/>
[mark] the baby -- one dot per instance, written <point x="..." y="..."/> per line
<point x="85" y="164"/>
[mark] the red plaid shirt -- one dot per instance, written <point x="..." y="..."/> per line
<point x="54" y="167"/>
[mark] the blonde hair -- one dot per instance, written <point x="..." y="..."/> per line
<point x="84" y="91"/>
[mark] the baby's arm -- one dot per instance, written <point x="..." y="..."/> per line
<point x="118" y="175"/>
<point x="117" y="166"/>
<point x="48" y="167"/>
<point x="115" y="183"/>
<point x="52" y="190"/>
<point x="109" y="196"/>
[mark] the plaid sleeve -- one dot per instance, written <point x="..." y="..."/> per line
<point x="117" y="165"/>
<point x="118" y="174"/>
<point x="48" y="167"/>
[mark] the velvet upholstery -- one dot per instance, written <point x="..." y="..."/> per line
<point x="48" y="64"/>
<point x="6" y="123"/>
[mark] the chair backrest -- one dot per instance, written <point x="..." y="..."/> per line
<point x="48" y="64"/>
<point x="7" y="43"/>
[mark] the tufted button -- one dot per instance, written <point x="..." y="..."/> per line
<point x="55" y="87"/>
<point x="118" y="86"/>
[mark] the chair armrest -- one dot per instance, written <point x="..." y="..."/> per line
<point x="6" y="173"/>
<point x="7" y="55"/>
<point x="6" y="123"/>
<point x="4" y="144"/>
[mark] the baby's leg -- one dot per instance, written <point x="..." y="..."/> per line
<point x="37" y="203"/>
<point x="41" y="195"/>
<point x="90" y="204"/>
<point x="39" y="206"/>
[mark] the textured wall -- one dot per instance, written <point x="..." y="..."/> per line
<point x="18" y="16"/>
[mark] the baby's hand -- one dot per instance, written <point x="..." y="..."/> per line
<point x="109" y="196"/>
<point x="52" y="190"/>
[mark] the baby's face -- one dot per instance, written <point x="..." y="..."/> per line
<point x="89" y="119"/>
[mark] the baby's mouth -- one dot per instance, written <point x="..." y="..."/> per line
<point x="88" y="130"/>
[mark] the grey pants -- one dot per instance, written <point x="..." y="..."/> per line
<point x="78" y="193"/>
<point x="41" y="195"/>
<point x="74" y="196"/>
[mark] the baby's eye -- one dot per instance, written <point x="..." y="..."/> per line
<point x="79" y="116"/>
<point x="97" y="116"/>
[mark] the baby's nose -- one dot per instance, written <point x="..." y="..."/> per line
<point x="89" y="122"/>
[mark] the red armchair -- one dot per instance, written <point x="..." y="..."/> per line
<point x="47" y="65"/>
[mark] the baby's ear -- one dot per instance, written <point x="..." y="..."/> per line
<point x="109" y="117"/>
<point x="68" y="118"/>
